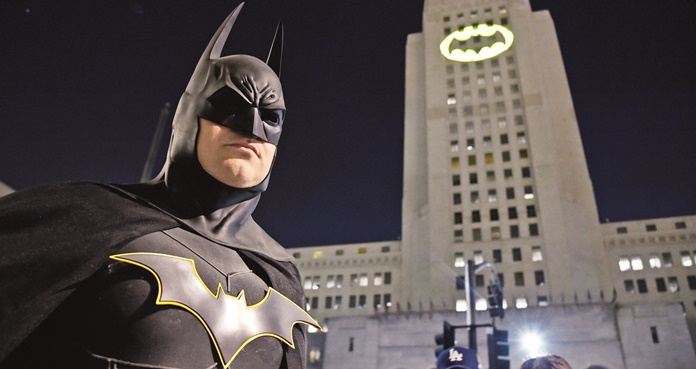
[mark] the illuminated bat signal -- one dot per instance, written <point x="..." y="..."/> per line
<point x="486" y="52"/>
<point x="230" y="323"/>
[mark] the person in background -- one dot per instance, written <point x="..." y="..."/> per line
<point x="546" y="362"/>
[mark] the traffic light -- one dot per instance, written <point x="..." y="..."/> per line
<point x="498" y="350"/>
<point x="495" y="301"/>
<point x="445" y="339"/>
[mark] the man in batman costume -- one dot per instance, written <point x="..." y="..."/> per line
<point x="172" y="273"/>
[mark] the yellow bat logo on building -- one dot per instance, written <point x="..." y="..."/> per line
<point x="486" y="52"/>
<point x="230" y="322"/>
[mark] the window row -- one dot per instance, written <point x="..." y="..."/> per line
<point x="656" y="261"/>
<point x="489" y="158"/>
<point x="494" y="215"/>
<point x="470" y="126"/>
<point x="481" y="93"/>
<point x="474" y="14"/>
<point x="487" y="143"/>
<point x="651" y="227"/>
<point x="662" y="284"/>
<point x="490" y="177"/>
<point x="482" y="304"/>
<point x="497" y="256"/>
<point x="492" y="197"/>
<point x="483" y="109"/>
<point x="495" y="233"/>
<point x="356" y="280"/>
<point x="354" y="302"/>
<point x="339" y="252"/>
<point x="518" y="277"/>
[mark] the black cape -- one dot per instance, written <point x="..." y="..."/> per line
<point x="54" y="237"/>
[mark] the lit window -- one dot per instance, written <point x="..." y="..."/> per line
<point x="521" y="138"/>
<point x="478" y="257"/>
<point x="363" y="280"/>
<point x="362" y="250"/>
<point x="481" y="79"/>
<point x="474" y="197"/>
<point x="686" y="259"/>
<point x="624" y="264"/>
<point x="543" y="301"/>
<point x="470" y="144"/>
<point x="461" y="305"/>
<point x="307" y="283"/>
<point x="377" y="281"/>
<point x="655" y="261"/>
<point x="455" y="163"/>
<point x="487" y="142"/>
<point x="492" y="196"/>
<point x="451" y="100"/>
<point x="316" y="283"/>
<point x="459" y="261"/>
<point x="502" y="9"/>
<point x="502" y="123"/>
<point x="496" y="77"/>
<point x="454" y="146"/>
<point x="528" y="192"/>
<point x="521" y="303"/>
<point x="488" y="158"/>
<point x="673" y="284"/>
<point x="536" y="253"/>
<point x="337" y="302"/>
<point x="481" y="304"/>
<point x="330" y="282"/>
<point x="318" y="254"/>
<point x="636" y="263"/>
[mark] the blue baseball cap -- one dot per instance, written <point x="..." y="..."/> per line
<point x="457" y="357"/>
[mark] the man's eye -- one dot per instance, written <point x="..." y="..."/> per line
<point x="272" y="116"/>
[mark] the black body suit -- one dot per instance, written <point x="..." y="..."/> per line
<point x="173" y="273"/>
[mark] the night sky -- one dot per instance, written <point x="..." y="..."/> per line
<point x="82" y="84"/>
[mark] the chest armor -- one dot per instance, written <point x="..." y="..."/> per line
<point x="175" y="299"/>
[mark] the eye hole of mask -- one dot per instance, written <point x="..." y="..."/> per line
<point x="226" y="101"/>
<point x="272" y="116"/>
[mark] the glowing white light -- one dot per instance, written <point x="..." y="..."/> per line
<point x="533" y="343"/>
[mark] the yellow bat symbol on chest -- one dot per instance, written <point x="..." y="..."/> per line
<point x="230" y="322"/>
